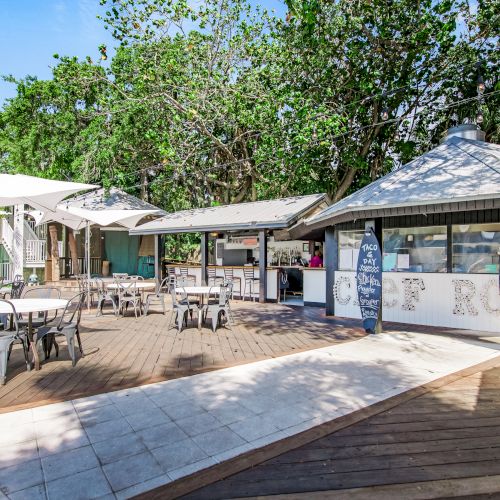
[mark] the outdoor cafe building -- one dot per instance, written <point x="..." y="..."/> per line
<point x="438" y="221"/>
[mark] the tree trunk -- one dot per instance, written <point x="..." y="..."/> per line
<point x="73" y="251"/>
<point x="54" y="253"/>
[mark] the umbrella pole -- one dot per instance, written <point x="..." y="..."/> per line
<point x="87" y="249"/>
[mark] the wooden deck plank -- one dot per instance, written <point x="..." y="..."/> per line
<point x="450" y="449"/>
<point x="124" y="352"/>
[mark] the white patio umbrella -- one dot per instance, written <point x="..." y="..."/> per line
<point x="102" y="209"/>
<point x="42" y="194"/>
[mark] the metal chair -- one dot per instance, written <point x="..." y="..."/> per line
<point x="129" y="295"/>
<point x="229" y="276"/>
<point x="189" y="277"/>
<point x="42" y="318"/>
<point x="251" y="281"/>
<point x="135" y="277"/>
<point x="104" y="295"/>
<point x="213" y="279"/>
<point x="218" y="306"/>
<point x="283" y="283"/>
<point x="181" y="306"/>
<point x="16" y="289"/>
<point x="120" y="276"/>
<point x="8" y="338"/>
<point x="160" y="294"/>
<point x="68" y="326"/>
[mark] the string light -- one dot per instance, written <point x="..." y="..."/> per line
<point x="385" y="114"/>
<point x="479" y="117"/>
<point x="223" y="166"/>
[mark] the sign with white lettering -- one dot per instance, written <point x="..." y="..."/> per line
<point x="369" y="280"/>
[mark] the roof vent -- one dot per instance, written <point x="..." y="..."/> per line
<point x="467" y="131"/>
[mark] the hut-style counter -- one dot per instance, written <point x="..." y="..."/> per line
<point x="252" y="224"/>
<point x="438" y="221"/>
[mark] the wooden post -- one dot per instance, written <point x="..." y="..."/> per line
<point x="262" y="265"/>
<point x="54" y="253"/>
<point x="157" y="263"/>
<point x="73" y="251"/>
<point x="331" y="261"/>
<point x="204" y="258"/>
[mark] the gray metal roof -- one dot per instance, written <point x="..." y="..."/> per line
<point x="268" y="214"/>
<point x="458" y="170"/>
<point x="114" y="199"/>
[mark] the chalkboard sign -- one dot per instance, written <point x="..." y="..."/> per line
<point x="369" y="280"/>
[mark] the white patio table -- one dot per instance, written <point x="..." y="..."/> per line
<point x="30" y="306"/>
<point x="140" y="285"/>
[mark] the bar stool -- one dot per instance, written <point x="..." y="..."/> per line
<point x="213" y="279"/>
<point x="251" y="281"/>
<point x="230" y="277"/>
<point x="187" y="277"/>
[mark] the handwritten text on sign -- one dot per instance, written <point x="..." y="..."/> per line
<point x="369" y="279"/>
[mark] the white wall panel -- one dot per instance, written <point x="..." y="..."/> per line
<point x="470" y="301"/>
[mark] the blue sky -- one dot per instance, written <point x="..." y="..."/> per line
<point x="33" y="30"/>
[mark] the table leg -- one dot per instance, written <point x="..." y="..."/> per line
<point x="32" y="342"/>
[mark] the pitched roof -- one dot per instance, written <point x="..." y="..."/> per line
<point x="457" y="170"/>
<point x="268" y="214"/>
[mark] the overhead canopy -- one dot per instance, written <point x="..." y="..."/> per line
<point x="40" y="193"/>
<point x="269" y="214"/>
<point x="103" y="209"/>
<point x="458" y="174"/>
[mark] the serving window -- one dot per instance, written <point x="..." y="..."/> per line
<point x="415" y="249"/>
<point x="476" y="248"/>
<point x="349" y="245"/>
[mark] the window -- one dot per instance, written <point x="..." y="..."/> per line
<point x="476" y="248"/>
<point x="349" y="244"/>
<point x="415" y="249"/>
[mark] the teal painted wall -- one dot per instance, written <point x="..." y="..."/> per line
<point x="122" y="250"/>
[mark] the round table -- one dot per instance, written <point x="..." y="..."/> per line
<point x="30" y="306"/>
<point x="139" y="285"/>
<point x="198" y="290"/>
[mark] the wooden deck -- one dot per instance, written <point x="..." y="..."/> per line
<point x="432" y="443"/>
<point x="126" y="352"/>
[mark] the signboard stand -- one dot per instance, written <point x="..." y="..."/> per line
<point x="369" y="282"/>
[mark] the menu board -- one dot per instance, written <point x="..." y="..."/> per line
<point x="369" y="280"/>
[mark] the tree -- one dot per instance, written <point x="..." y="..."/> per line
<point x="347" y="64"/>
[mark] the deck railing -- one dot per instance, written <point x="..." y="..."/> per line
<point x="6" y="270"/>
<point x="35" y="251"/>
<point x="66" y="265"/>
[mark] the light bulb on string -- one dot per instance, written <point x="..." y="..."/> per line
<point x="385" y="114"/>
<point x="479" y="117"/>
<point x="480" y="84"/>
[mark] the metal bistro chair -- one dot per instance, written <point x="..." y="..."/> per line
<point x="213" y="279"/>
<point x="229" y="276"/>
<point x="68" y="325"/>
<point x="129" y="295"/>
<point x="186" y="276"/>
<point x="120" y="276"/>
<point x="10" y="337"/>
<point x="181" y="306"/>
<point x="16" y="289"/>
<point x="250" y="281"/>
<point x="160" y="294"/>
<point x="42" y="318"/>
<point x="218" y="306"/>
<point x="105" y="295"/>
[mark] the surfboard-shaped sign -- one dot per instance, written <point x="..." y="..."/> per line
<point x="369" y="280"/>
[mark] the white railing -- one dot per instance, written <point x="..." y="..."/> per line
<point x="7" y="236"/>
<point x="35" y="251"/>
<point x="6" y="270"/>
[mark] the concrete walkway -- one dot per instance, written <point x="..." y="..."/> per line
<point x="120" y="444"/>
